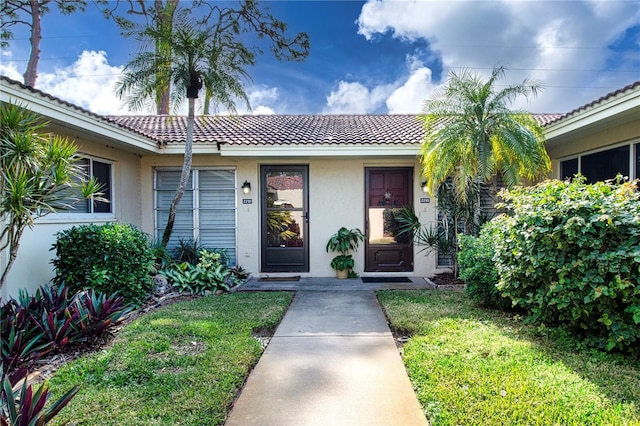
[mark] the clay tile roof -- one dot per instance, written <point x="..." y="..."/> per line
<point x="608" y="96"/>
<point x="283" y="183"/>
<point x="283" y="130"/>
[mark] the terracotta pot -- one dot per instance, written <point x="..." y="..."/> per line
<point x="341" y="275"/>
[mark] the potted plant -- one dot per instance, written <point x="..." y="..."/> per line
<point x="344" y="241"/>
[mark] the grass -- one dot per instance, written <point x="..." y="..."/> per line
<point x="182" y="364"/>
<point x="475" y="366"/>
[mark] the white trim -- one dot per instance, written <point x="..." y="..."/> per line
<point x="391" y="150"/>
<point x="619" y="105"/>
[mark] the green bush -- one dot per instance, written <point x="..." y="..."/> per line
<point x="569" y="254"/>
<point x="210" y="274"/>
<point x="109" y="258"/>
<point x="478" y="269"/>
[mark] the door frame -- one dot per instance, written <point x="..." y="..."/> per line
<point x="410" y="202"/>
<point x="267" y="252"/>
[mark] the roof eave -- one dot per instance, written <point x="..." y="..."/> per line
<point x="62" y="116"/>
<point x="623" y="108"/>
<point x="368" y="150"/>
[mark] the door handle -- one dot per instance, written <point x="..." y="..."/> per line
<point x="306" y="217"/>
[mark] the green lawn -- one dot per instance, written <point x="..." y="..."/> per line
<point x="182" y="364"/>
<point x="472" y="366"/>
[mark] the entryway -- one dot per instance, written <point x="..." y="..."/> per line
<point x="284" y="218"/>
<point x="388" y="190"/>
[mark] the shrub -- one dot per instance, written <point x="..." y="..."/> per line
<point x="570" y="255"/>
<point x="478" y="269"/>
<point x="108" y="258"/>
<point x="211" y="273"/>
<point x="34" y="326"/>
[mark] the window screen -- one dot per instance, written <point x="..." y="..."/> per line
<point x="605" y="165"/>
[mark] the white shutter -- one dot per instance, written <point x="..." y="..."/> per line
<point x="210" y="217"/>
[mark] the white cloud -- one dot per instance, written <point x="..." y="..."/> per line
<point x="355" y="98"/>
<point x="88" y="82"/>
<point x="409" y="97"/>
<point x="10" y="69"/>
<point x="561" y="43"/>
<point x="263" y="110"/>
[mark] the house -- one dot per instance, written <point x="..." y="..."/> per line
<point x="271" y="190"/>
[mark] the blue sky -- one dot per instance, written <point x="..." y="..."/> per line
<point x="378" y="56"/>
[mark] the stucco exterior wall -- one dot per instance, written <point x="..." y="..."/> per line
<point x="32" y="267"/>
<point x="336" y="198"/>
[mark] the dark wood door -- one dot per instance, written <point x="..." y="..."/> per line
<point x="387" y="191"/>
<point x="285" y="218"/>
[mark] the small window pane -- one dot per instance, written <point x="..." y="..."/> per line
<point x="102" y="173"/>
<point x="217" y="179"/>
<point x="605" y="165"/>
<point x="568" y="168"/>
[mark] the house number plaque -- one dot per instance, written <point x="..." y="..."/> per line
<point x="247" y="201"/>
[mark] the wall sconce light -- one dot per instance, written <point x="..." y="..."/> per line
<point x="425" y="187"/>
<point x="246" y="187"/>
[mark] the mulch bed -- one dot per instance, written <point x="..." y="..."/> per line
<point x="446" y="281"/>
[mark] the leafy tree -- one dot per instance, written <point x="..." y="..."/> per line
<point x="30" y="13"/>
<point x="38" y="176"/>
<point x="201" y="52"/>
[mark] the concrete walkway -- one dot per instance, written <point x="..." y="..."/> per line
<point x="332" y="361"/>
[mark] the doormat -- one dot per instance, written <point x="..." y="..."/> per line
<point x="279" y="279"/>
<point x="386" y="280"/>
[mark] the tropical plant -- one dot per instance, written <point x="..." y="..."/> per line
<point x="472" y="135"/>
<point x="344" y="241"/>
<point x="20" y="405"/>
<point x="210" y="273"/>
<point x="38" y="176"/>
<point x="191" y="54"/>
<point x="35" y="325"/>
<point x="187" y="250"/>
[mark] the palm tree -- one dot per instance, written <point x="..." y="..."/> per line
<point x="472" y="135"/>
<point x="194" y="57"/>
<point x="196" y="54"/>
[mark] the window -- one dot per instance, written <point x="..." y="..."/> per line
<point x="206" y="212"/>
<point x="101" y="171"/>
<point x="568" y="168"/>
<point x="603" y="165"/>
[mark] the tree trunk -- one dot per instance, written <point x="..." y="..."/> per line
<point x="186" y="170"/>
<point x="165" y="22"/>
<point x="14" y="244"/>
<point x="31" y="73"/>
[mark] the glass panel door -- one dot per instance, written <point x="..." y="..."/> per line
<point x="285" y="219"/>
